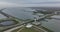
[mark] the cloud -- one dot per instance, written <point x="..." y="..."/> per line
<point x="29" y="3"/>
<point x="39" y="5"/>
<point x="6" y="4"/>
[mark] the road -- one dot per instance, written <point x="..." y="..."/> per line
<point x="38" y="28"/>
<point x="9" y="30"/>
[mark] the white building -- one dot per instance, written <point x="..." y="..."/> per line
<point x="29" y="25"/>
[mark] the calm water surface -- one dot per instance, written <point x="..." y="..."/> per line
<point x="5" y="23"/>
<point x="20" y="13"/>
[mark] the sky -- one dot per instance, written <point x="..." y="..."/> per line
<point x="29" y="3"/>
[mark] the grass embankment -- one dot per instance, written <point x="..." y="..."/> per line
<point x="26" y="30"/>
<point x="16" y="30"/>
<point x="7" y="19"/>
<point x="3" y="19"/>
<point x="1" y="31"/>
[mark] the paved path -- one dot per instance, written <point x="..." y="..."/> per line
<point x="40" y="28"/>
<point x="13" y="28"/>
<point x="20" y="29"/>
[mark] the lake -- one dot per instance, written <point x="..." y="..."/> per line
<point x="20" y="13"/>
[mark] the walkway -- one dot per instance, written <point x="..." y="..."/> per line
<point x="13" y="28"/>
<point x="39" y="28"/>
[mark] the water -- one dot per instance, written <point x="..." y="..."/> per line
<point x="2" y="16"/>
<point x="53" y="25"/>
<point x="5" y="23"/>
<point x="20" y="13"/>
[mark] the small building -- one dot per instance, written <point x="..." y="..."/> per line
<point x="29" y="25"/>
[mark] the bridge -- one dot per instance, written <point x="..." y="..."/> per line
<point x="44" y="17"/>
